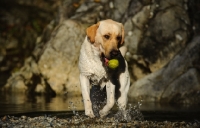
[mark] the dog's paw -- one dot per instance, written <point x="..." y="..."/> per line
<point x="103" y="113"/>
<point x="90" y="114"/>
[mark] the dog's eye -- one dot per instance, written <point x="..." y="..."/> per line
<point x="119" y="38"/>
<point x="106" y="36"/>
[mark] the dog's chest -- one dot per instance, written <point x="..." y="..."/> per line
<point x="89" y="62"/>
<point x="96" y="72"/>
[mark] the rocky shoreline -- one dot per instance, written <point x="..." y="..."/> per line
<point x="85" y="122"/>
<point x="162" y="38"/>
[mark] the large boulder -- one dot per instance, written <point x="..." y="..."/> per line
<point x="54" y="66"/>
<point x="155" y="34"/>
<point x="175" y="81"/>
<point x="58" y="62"/>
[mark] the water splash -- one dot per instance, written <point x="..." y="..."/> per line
<point x="130" y="114"/>
<point x="73" y="108"/>
<point x="119" y="119"/>
<point x="98" y="98"/>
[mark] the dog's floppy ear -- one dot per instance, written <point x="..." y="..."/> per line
<point x="91" y="32"/>
<point x="122" y="40"/>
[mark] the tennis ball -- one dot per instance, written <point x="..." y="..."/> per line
<point x="114" y="63"/>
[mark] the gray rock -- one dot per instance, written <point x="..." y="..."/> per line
<point x="119" y="8"/>
<point x="58" y="63"/>
<point x="155" y="86"/>
<point x="155" y="34"/>
<point x="187" y="83"/>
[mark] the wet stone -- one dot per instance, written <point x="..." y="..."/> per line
<point x="24" y="117"/>
<point x="86" y="122"/>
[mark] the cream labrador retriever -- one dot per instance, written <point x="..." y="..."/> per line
<point x="104" y="41"/>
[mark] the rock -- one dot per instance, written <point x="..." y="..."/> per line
<point x="134" y="28"/>
<point x="165" y="37"/>
<point x="153" y="86"/>
<point x="90" y="15"/>
<point x="118" y="8"/>
<point x="15" y="83"/>
<point x="20" y="27"/>
<point x="20" y="80"/>
<point x="58" y="63"/>
<point x="187" y="83"/>
<point x="56" y="66"/>
<point x="81" y="121"/>
<point x="155" y="34"/>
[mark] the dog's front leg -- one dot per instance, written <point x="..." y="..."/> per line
<point x="110" y="90"/>
<point x="85" y="87"/>
<point x="125" y="83"/>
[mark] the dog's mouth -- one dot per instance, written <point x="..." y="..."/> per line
<point x="104" y="60"/>
<point x="114" y="54"/>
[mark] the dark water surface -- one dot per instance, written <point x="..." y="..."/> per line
<point x="65" y="106"/>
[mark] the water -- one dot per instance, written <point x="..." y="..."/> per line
<point x="72" y="106"/>
<point x="15" y="103"/>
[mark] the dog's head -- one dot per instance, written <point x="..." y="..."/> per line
<point x="107" y="36"/>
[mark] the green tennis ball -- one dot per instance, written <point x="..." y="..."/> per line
<point x="114" y="63"/>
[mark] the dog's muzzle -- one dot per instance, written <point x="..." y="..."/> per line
<point x="114" y="54"/>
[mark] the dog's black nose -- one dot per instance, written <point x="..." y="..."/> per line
<point x="114" y="53"/>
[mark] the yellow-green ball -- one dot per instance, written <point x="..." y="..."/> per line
<point x="114" y="63"/>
